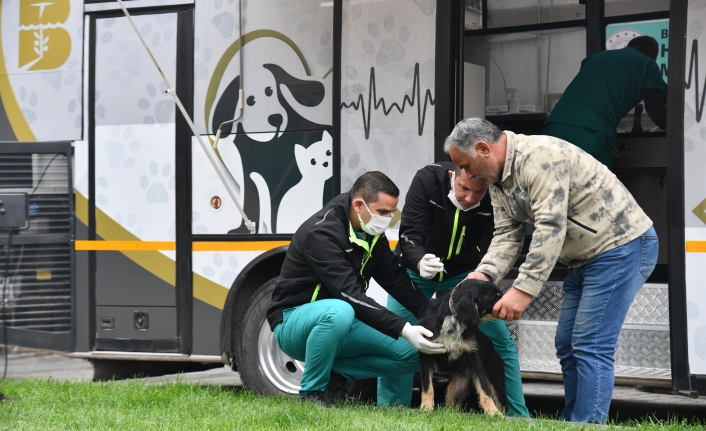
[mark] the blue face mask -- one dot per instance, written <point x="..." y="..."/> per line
<point x="377" y="224"/>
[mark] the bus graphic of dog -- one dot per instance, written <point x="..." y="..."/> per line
<point x="285" y="112"/>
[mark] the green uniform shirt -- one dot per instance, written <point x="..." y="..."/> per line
<point x="606" y="88"/>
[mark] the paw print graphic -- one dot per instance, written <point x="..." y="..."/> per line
<point x="156" y="190"/>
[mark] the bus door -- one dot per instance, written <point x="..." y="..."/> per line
<point x="141" y="300"/>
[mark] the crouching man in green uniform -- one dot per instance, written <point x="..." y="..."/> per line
<point x="608" y="86"/>
<point x="320" y="313"/>
<point x="447" y="226"/>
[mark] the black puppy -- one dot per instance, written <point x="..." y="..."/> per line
<point x="477" y="372"/>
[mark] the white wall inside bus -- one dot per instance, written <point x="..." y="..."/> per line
<point x="506" y="13"/>
<point x="539" y="64"/>
<point x="629" y="7"/>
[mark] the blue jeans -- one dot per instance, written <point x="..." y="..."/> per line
<point x="598" y="297"/>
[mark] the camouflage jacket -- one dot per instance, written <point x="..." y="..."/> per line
<point x="579" y="210"/>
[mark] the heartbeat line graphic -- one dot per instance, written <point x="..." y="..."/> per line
<point x="694" y="67"/>
<point x="374" y="103"/>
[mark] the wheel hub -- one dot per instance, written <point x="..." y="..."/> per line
<point x="284" y="372"/>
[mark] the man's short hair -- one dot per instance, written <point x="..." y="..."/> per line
<point x="368" y="185"/>
<point x="645" y="45"/>
<point x="467" y="133"/>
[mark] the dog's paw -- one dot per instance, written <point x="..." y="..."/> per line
<point x="427" y="403"/>
<point x="492" y="410"/>
<point x="426" y="407"/>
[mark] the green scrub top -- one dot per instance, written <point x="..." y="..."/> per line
<point x="607" y="87"/>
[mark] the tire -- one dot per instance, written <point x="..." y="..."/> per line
<point x="264" y="368"/>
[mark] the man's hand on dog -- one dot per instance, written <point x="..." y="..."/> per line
<point x="512" y="304"/>
<point x="416" y="335"/>
<point x="478" y="276"/>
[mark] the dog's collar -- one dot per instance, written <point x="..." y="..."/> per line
<point x="451" y="303"/>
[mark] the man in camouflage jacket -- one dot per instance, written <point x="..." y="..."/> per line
<point x="583" y="217"/>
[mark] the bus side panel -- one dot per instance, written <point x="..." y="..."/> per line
<point x="388" y="47"/>
<point x="40" y="71"/>
<point x="214" y="274"/>
<point x="695" y="191"/>
<point x="280" y="150"/>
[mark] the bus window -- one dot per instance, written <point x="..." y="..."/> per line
<point x="540" y="65"/>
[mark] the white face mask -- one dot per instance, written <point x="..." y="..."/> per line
<point x="377" y="224"/>
<point x="452" y="196"/>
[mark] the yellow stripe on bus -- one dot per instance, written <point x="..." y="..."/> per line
<point x="171" y="245"/>
<point x="696" y="246"/>
<point x="125" y="245"/>
<point x="237" y="245"/>
<point x="84" y="245"/>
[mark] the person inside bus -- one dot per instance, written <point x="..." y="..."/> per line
<point x="584" y="217"/>
<point x="446" y="227"/>
<point x="608" y="86"/>
<point x="320" y="313"/>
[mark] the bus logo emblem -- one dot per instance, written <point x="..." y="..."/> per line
<point x="44" y="43"/>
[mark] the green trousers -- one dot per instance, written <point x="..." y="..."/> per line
<point x="326" y="335"/>
<point x="394" y="390"/>
<point x="592" y="142"/>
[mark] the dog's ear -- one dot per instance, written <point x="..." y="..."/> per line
<point x="306" y="93"/>
<point x="225" y="108"/>
<point x="466" y="307"/>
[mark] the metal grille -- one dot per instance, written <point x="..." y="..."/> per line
<point x="37" y="292"/>
<point x="650" y="307"/>
<point x="643" y="349"/>
<point x="546" y="306"/>
<point x="45" y="178"/>
<point x="640" y="353"/>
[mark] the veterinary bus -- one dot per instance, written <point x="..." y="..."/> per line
<point x="122" y="238"/>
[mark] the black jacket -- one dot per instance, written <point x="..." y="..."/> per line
<point x="321" y="252"/>
<point x="428" y="223"/>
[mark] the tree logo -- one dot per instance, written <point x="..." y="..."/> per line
<point x="44" y="43"/>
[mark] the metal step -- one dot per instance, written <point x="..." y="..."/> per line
<point x="643" y="350"/>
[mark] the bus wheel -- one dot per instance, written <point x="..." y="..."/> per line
<point x="263" y="367"/>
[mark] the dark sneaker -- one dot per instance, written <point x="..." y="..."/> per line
<point x="337" y="388"/>
<point x="6" y="398"/>
<point x="316" y="397"/>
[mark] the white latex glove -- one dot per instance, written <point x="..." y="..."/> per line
<point x="429" y="266"/>
<point x="416" y="335"/>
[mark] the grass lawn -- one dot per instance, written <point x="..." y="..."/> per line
<point x="134" y="405"/>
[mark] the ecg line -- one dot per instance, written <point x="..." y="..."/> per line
<point x="694" y="67"/>
<point x="373" y="100"/>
